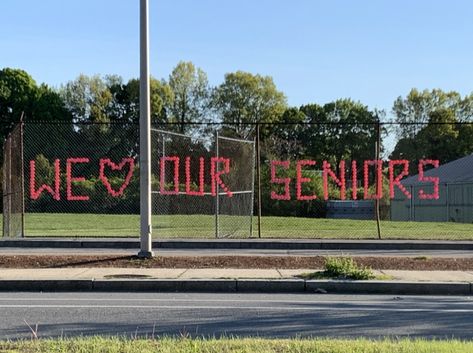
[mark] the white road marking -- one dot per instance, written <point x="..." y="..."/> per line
<point x="319" y="300"/>
<point x="258" y="308"/>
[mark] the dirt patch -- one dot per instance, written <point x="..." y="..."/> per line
<point x="260" y="262"/>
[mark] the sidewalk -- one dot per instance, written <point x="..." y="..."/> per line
<point x="230" y="280"/>
<point x="213" y="273"/>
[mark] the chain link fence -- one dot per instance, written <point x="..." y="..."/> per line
<point x="81" y="179"/>
<point x="318" y="180"/>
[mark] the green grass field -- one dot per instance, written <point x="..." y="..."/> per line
<point x="198" y="226"/>
<point x="247" y="345"/>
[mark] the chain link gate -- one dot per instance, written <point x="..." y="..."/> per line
<point x="195" y="194"/>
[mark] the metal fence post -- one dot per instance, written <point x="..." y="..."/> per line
<point x="7" y="186"/>
<point x="377" y="201"/>
<point x="217" y="191"/>
<point x="258" y="176"/>
<point x="411" y="202"/>
<point x="447" y="202"/>
<point x="22" y="177"/>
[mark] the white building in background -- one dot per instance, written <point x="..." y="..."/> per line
<point x="455" y="202"/>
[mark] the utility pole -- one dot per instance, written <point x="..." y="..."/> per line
<point x="145" y="137"/>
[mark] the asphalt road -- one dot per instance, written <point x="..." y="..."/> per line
<point x="237" y="252"/>
<point x="278" y="315"/>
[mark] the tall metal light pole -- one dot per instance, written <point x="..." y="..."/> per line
<point x="145" y="137"/>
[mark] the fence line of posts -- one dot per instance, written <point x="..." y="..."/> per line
<point x="221" y="130"/>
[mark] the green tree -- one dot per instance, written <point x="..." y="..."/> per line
<point x="126" y="100"/>
<point x="464" y="142"/>
<point x="285" y="141"/>
<point x="88" y="99"/>
<point x="244" y="98"/>
<point x="112" y="107"/>
<point x="433" y="124"/>
<point x="19" y="94"/>
<point x="414" y="110"/>
<point x="191" y="93"/>
<point x="352" y="131"/>
<point x="48" y="106"/>
<point x="440" y="138"/>
<point x="340" y="130"/>
<point x="125" y="108"/>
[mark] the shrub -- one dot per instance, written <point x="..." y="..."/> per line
<point x="346" y="268"/>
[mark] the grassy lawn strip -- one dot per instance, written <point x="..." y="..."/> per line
<point x="250" y="345"/>
<point x="202" y="226"/>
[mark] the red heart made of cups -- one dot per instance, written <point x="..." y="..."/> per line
<point x="105" y="162"/>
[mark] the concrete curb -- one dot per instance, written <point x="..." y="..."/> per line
<point x="241" y="286"/>
<point x="270" y="286"/>
<point x="257" y="244"/>
<point x="390" y="287"/>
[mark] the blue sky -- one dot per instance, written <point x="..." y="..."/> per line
<point x="316" y="51"/>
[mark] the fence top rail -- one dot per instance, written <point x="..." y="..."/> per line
<point x="176" y="134"/>
<point x="64" y="122"/>
<point x="305" y="123"/>
<point x="198" y="137"/>
<point x="236" y="139"/>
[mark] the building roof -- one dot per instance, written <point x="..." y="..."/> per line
<point x="457" y="171"/>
